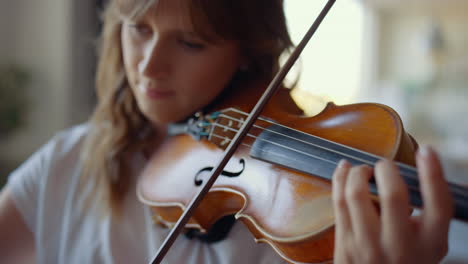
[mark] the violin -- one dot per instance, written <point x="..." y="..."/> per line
<point x="277" y="179"/>
<point x="268" y="183"/>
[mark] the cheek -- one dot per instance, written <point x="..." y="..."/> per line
<point x="212" y="77"/>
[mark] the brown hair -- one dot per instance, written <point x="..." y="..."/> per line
<point x="118" y="128"/>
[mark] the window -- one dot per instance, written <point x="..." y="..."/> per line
<point x="330" y="65"/>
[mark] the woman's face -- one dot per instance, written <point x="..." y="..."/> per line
<point x="172" y="71"/>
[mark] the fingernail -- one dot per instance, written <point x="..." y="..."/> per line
<point x="342" y="163"/>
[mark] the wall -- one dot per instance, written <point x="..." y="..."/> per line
<point x="53" y="40"/>
<point x="404" y="33"/>
<point x="427" y="85"/>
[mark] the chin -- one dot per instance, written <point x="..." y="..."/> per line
<point x="160" y="115"/>
<point x="162" y="119"/>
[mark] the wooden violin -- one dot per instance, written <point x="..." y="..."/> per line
<point x="276" y="178"/>
<point x="271" y="182"/>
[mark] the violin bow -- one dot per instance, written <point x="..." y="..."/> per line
<point x="229" y="151"/>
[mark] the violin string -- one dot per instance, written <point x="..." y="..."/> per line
<point x="280" y="145"/>
<point x="302" y="141"/>
<point x="400" y="164"/>
<point x="340" y="153"/>
<point x="455" y="189"/>
<point x="224" y="138"/>
<point x="229" y="139"/>
<point x="286" y="147"/>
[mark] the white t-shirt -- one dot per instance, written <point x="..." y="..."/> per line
<point x="45" y="191"/>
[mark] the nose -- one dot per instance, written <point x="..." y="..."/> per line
<point x="155" y="62"/>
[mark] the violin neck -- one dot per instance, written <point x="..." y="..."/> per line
<point x="313" y="155"/>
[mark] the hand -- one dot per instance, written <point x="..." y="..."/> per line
<point x="363" y="235"/>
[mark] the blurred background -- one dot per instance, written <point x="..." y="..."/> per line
<point x="411" y="55"/>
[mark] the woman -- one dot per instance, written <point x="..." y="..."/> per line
<point x="74" y="200"/>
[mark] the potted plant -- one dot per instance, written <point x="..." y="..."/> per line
<point x="13" y="103"/>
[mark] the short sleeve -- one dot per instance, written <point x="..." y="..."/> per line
<point x="24" y="183"/>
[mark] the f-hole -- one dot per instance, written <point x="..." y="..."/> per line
<point x="198" y="181"/>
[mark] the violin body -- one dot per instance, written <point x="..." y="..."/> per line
<point x="283" y="205"/>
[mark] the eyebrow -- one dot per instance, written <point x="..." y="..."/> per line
<point x="188" y="33"/>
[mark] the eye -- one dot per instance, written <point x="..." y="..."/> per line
<point x="192" y="45"/>
<point x="141" y="29"/>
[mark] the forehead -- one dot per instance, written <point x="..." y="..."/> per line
<point x="186" y="15"/>
<point x="178" y="11"/>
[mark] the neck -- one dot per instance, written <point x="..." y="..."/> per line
<point x="158" y="137"/>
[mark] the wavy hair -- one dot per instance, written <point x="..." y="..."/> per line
<point x="118" y="129"/>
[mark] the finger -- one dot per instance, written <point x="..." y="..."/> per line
<point x="340" y="208"/>
<point x="394" y="201"/>
<point x="438" y="205"/>
<point x="364" y="219"/>
<point x="343" y="236"/>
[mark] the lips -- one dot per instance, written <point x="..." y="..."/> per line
<point x="156" y="93"/>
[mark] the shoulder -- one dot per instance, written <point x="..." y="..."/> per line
<point x="46" y="172"/>
<point x="60" y="145"/>
<point x="64" y="149"/>
<point x="65" y="145"/>
<point x="69" y="139"/>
